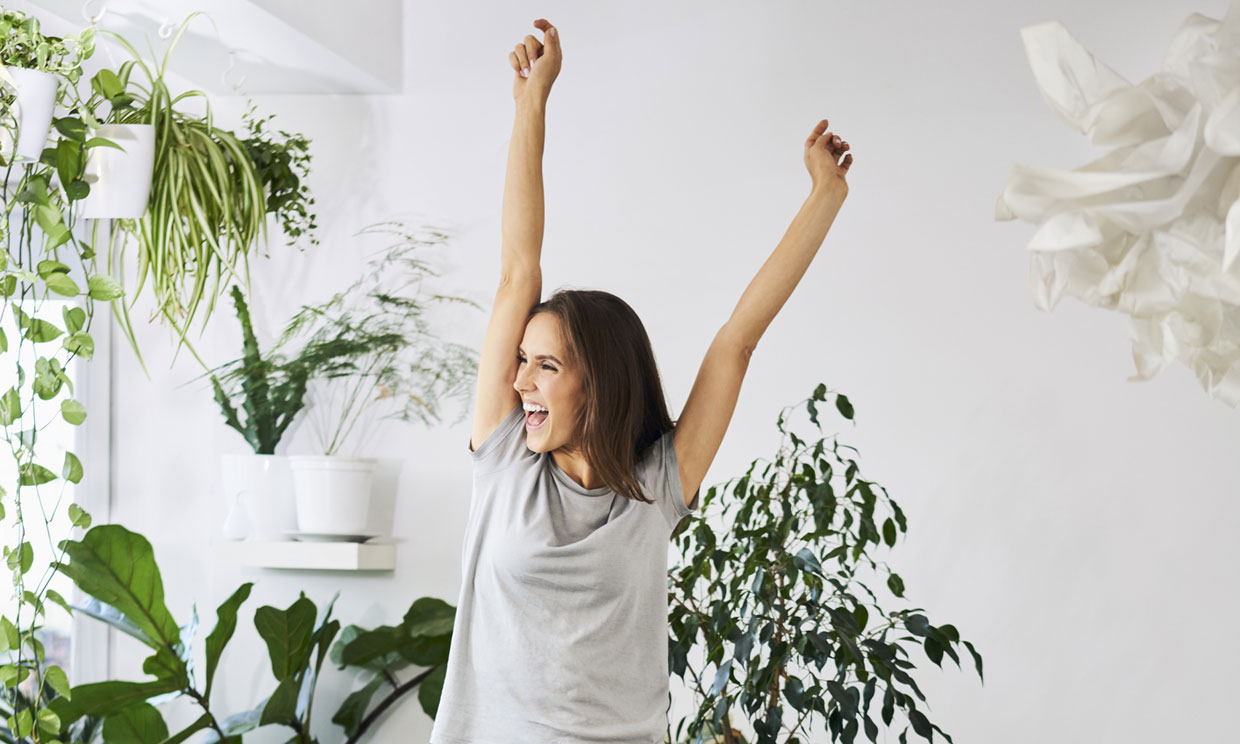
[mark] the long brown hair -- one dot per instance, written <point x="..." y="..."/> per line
<point x="624" y="410"/>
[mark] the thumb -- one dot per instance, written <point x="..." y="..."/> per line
<point x="551" y="37"/>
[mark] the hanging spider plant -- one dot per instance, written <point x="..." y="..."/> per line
<point x="207" y="207"/>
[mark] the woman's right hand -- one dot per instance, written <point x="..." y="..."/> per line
<point x="535" y="64"/>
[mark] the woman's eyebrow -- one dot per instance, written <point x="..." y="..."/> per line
<point x="542" y="356"/>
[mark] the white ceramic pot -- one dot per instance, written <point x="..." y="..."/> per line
<point x="120" y="182"/>
<point x="333" y="493"/>
<point x="36" y="99"/>
<point x="265" y="485"/>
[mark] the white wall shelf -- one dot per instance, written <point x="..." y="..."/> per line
<point x="321" y="556"/>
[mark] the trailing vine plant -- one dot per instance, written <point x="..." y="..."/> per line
<point x="42" y="258"/>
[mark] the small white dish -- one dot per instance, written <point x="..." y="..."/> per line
<point x="328" y="536"/>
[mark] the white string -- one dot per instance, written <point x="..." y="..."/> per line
<point x="165" y="31"/>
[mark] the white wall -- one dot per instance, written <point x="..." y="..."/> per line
<point x="1078" y="529"/>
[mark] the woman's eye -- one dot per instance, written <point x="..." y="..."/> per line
<point x="548" y="367"/>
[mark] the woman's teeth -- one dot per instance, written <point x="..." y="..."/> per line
<point x="536" y="419"/>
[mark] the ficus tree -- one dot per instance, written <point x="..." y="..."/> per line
<point x="778" y="600"/>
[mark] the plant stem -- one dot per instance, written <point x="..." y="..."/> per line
<point x="386" y="703"/>
<point x="197" y="696"/>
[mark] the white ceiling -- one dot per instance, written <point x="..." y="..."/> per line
<point x="266" y="46"/>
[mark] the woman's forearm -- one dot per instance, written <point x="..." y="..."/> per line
<point x="523" y="191"/>
<point x="775" y="281"/>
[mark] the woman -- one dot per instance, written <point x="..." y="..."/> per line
<point x="579" y="475"/>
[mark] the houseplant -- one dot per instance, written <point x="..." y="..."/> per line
<point x="271" y="393"/>
<point x="282" y="162"/>
<point x="207" y="208"/>
<point x="372" y="355"/>
<point x="43" y="257"/>
<point x="371" y="346"/>
<point x="771" y="611"/>
<point x="44" y="68"/>
<point x="117" y="569"/>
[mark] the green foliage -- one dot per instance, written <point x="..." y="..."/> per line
<point x="23" y="45"/>
<point x="273" y="392"/>
<point x="41" y="258"/>
<point x="117" y="568"/>
<point x="374" y="346"/>
<point x="206" y="209"/>
<point x="282" y="161"/>
<point x="777" y="603"/>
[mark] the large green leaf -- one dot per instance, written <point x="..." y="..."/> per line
<point x="137" y="724"/>
<point x="353" y="710"/>
<point x="281" y="707"/>
<point x="287" y="634"/>
<point x="118" y="567"/>
<point x="106" y="698"/>
<point x="224" y="627"/>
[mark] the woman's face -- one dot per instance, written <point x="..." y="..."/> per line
<point x="545" y="379"/>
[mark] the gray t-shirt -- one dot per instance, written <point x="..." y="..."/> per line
<point x="562" y="622"/>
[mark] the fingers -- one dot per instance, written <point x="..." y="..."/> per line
<point x="816" y="133"/>
<point x="533" y="48"/>
<point x="830" y="142"/>
<point x="522" y="58"/>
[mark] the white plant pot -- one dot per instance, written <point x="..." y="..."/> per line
<point x="120" y="182"/>
<point x="265" y="483"/>
<point x="333" y="493"/>
<point x="36" y="99"/>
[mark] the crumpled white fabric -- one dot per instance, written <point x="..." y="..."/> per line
<point x="1152" y="228"/>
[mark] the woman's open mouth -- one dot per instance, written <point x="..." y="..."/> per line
<point x="536" y="419"/>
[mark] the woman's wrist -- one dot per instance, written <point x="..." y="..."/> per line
<point x="531" y="105"/>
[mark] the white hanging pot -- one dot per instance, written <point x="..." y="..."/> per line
<point x="264" y="484"/>
<point x="36" y="99"/>
<point x="333" y="493"/>
<point x="120" y="182"/>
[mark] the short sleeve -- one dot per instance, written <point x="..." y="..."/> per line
<point x="505" y="445"/>
<point x="661" y="473"/>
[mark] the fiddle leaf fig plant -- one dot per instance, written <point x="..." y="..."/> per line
<point x="789" y="629"/>
<point x="116" y="568"/>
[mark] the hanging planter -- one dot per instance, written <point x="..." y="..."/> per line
<point x="36" y="100"/>
<point x="333" y="494"/>
<point x="120" y="181"/>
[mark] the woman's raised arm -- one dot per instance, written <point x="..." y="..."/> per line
<point x="708" y="410"/>
<point x="535" y="66"/>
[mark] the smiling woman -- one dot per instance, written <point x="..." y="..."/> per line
<point x="605" y="399"/>
<point x="562" y="622"/>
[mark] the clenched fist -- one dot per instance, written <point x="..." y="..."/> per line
<point x="536" y="64"/>
<point x="823" y="151"/>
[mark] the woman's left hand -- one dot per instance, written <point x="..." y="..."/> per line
<point x="823" y="150"/>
